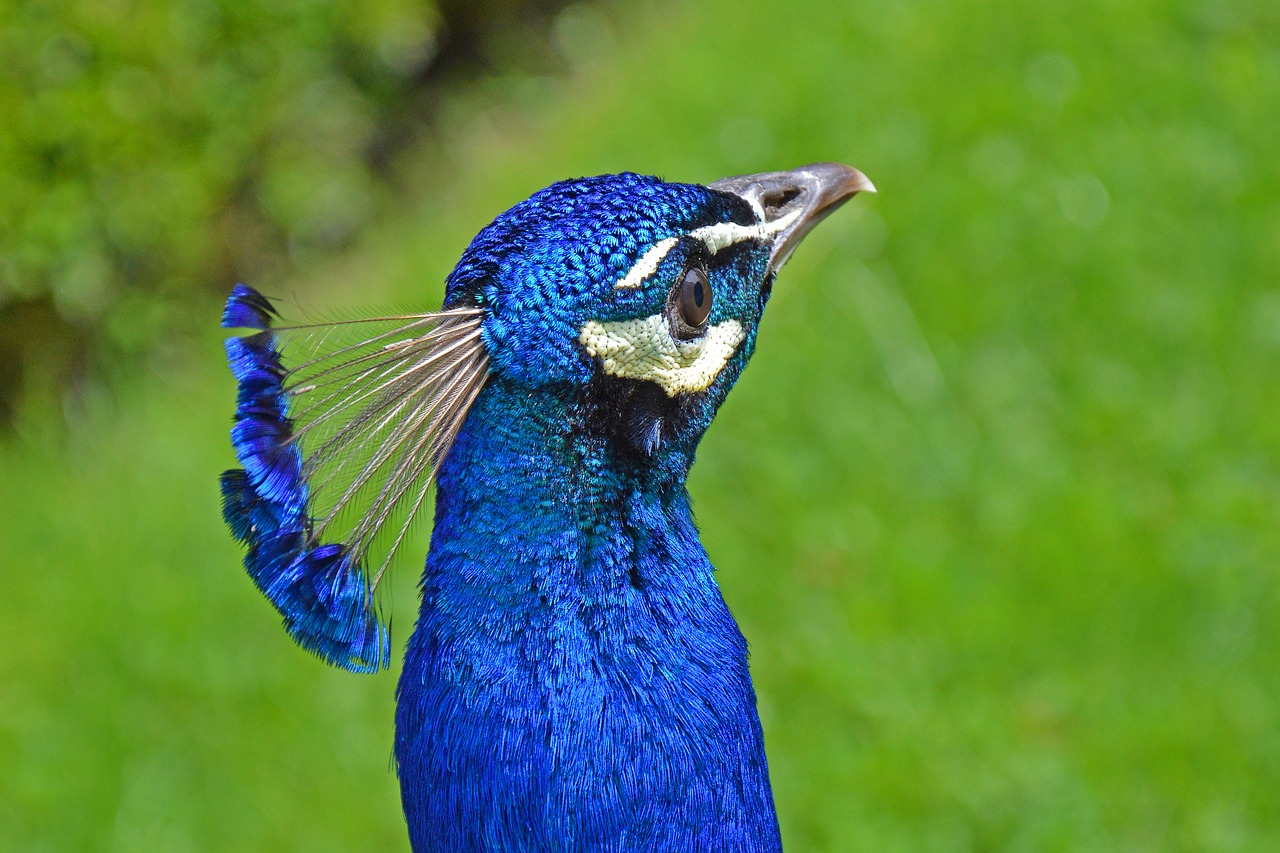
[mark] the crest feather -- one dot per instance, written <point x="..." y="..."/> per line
<point x="340" y="443"/>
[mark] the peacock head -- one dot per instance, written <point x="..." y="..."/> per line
<point x="640" y="294"/>
<point x="630" y="301"/>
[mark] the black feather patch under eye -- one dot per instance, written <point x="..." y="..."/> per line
<point x="645" y="419"/>
<point x="633" y="416"/>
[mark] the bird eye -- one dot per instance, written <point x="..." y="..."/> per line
<point x="693" y="303"/>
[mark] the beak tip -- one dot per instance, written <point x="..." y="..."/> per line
<point x="851" y="180"/>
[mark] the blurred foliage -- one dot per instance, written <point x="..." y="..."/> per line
<point x="996" y="502"/>
<point x="154" y="149"/>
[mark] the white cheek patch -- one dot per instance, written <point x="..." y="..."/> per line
<point x="644" y="349"/>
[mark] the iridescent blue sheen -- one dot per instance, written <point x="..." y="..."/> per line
<point x="575" y="680"/>
<point x="247" y="309"/>
<point x="324" y="599"/>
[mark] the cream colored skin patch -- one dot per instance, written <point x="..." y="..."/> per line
<point x="645" y="349"/>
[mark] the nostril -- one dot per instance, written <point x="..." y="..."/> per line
<point x="775" y="201"/>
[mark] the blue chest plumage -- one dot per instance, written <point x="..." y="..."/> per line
<point x="575" y="681"/>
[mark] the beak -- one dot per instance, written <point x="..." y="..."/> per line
<point x="793" y="202"/>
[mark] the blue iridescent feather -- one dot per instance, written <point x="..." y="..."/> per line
<point x="247" y="309"/>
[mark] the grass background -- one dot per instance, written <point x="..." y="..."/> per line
<point x="996" y="503"/>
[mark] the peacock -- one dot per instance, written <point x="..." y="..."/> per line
<point x="574" y="680"/>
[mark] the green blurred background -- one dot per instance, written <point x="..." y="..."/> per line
<point x="996" y="504"/>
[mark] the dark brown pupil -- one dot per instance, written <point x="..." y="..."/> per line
<point x="695" y="303"/>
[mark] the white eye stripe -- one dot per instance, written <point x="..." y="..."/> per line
<point x="647" y="264"/>
<point x="715" y="237"/>
<point x="724" y="234"/>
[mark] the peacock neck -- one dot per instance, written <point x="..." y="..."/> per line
<point x="534" y="491"/>
<point x="574" y="666"/>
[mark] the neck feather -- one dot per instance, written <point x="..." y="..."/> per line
<point x="574" y="666"/>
